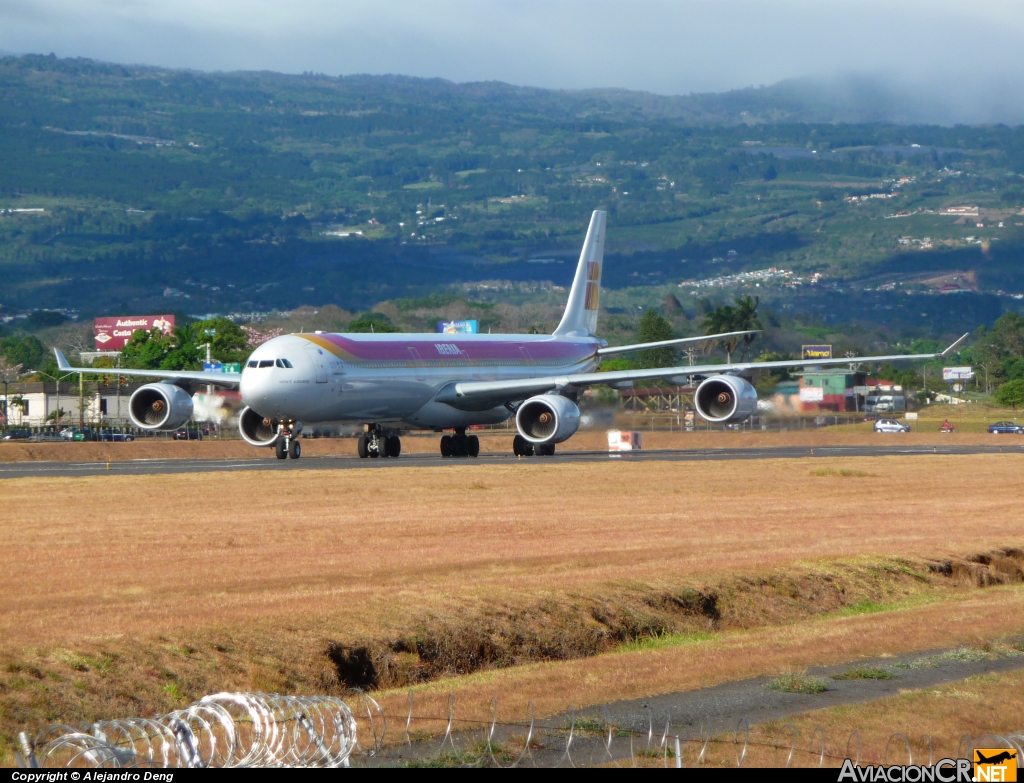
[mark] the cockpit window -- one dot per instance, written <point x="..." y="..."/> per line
<point x="284" y="363"/>
<point x="266" y="363"/>
<point x="253" y="363"/>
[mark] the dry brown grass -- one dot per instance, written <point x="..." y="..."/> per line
<point x="245" y="580"/>
<point x="490" y="442"/>
<point x="137" y="555"/>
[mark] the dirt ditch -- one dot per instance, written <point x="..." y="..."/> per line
<point x="581" y="626"/>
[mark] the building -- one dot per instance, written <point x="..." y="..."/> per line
<point x="831" y="390"/>
<point x="33" y="404"/>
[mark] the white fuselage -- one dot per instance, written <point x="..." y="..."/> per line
<point x="393" y="378"/>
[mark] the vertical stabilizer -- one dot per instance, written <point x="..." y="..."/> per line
<point x="580" y="316"/>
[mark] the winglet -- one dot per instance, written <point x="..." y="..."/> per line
<point x="62" y="363"/>
<point x="955" y="345"/>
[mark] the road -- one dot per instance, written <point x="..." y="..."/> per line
<point x="11" y="470"/>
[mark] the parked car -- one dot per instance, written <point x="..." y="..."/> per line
<point x="891" y="425"/>
<point x="112" y="436"/>
<point x="46" y="437"/>
<point x="18" y="435"/>
<point x="187" y="433"/>
<point x="1006" y="428"/>
<point x="76" y="434"/>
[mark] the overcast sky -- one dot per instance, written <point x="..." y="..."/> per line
<point x="664" y="46"/>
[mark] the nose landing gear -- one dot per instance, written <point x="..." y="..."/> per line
<point x="288" y="443"/>
<point x="377" y="442"/>
<point x="460" y="444"/>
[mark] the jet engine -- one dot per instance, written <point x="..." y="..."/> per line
<point x="547" y="418"/>
<point x="160" y="406"/>
<point x="258" y="430"/>
<point x="725" y="399"/>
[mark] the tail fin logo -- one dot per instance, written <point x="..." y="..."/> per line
<point x="593" y="286"/>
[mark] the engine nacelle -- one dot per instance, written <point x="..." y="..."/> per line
<point x="547" y="418"/>
<point x="160" y="406"/>
<point x="725" y="399"/>
<point x="258" y="430"/>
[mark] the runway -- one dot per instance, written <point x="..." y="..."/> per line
<point x="13" y="470"/>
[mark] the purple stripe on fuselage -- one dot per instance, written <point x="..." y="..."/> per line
<point x="450" y="347"/>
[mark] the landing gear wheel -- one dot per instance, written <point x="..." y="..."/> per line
<point x="394" y="445"/>
<point x="362" y="447"/>
<point x="547" y="450"/>
<point x="295" y="449"/>
<point x="521" y="447"/>
<point x="446" y="445"/>
<point x="280" y="449"/>
<point x="473" y="446"/>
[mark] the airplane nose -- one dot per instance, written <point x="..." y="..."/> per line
<point x="254" y="390"/>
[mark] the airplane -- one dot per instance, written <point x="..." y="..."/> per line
<point x="394" y="383"/>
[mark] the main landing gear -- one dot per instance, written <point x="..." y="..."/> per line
<point x="288" y="444"/>
<point x="521" y="447"/>
<point x="375" y="443"/>
<point x="460" y="444"/>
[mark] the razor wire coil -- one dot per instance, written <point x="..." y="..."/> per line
<point x="221" y="730"/>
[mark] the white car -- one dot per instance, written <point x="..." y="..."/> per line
<point x="891" y="425"/>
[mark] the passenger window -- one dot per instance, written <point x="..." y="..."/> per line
<point x="266" y="363"/>
<point x="253" y="363"/>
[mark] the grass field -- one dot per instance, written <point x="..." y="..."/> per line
<point x="560" y="582"/>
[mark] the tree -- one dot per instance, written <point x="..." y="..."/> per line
<point x="145" y="350"/>
<point x="740" y="318"/>
<point x="27" y="351"/>
<point x="378" y="323"/>
<point x="655" y="328"/>
<point x="746" y="319"/>
<point x="9" y="373"/>
<point x="719" y="321"/>
<point x="1011" y="394"/>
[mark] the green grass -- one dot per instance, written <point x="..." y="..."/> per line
<point x="798" y="683"/>
<point x="865" y="673"/>
<point x="663" y="640"/>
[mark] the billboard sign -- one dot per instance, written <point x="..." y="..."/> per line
<point x="816" y="352"/>
<point x="458" y="327"/>
<point x="213" y="367"/>
<point x="951" y="374"/>
<point x="812" y="394"/>
<point x="112" y="333"/>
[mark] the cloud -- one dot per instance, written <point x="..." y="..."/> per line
<point x="665" y="46"/>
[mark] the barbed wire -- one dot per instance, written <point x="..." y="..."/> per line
<point x="222" y="730"/>
<point x="272" y="730"/>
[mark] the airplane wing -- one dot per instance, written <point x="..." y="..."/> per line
<point x="665" y="343"/>
<point x="483" y="395"/>
<point x="179" y="377"/>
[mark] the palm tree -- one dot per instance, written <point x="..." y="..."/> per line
<point x="746" y="319"/>
<point x="740" y="318"/>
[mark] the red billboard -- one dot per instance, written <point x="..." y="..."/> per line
<point x="113" y="332"/>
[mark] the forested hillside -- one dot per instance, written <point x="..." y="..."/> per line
<point x="181" y="191"/>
